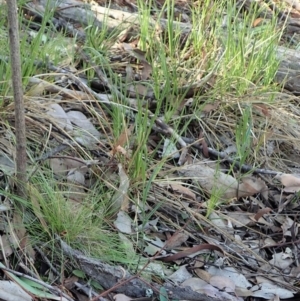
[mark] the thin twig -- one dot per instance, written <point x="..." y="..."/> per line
<point x="25" y="268"/>
<point x="224" y="156"/>
<point x="85" y="288"/>
<point x="54" y="151"/>
<point x="45" y="258"/>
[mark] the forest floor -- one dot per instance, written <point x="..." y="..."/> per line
<point x="163" y="151"/>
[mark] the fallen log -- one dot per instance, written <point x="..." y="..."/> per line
<point x="116" y="279"/>
<point x="76" y="12"/>
<point x="288" y="73"/>
<point x="83" y="14"/>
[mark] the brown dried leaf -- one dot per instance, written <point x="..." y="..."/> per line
<point x="192" y="251"/>
<point x="184" y="103"/>
<point x="129" y="74"/>
<point x="123" y="138"/>
<point x="176" y="240"/>
<point x="69" y="282"/>
<point x="75" y="162"/>
<point x="121" y="150"/>
<point x="222" y="283"/>
<point x="289" y="180"/>
<point x="295" y="272"/>
<point x="242" y="292"/>
<point x="257" y="21"/>
<point x="292" y="189"/>
<point x="210" y="107"/>
<point x="261" y="220"/>
<point x="204" y="145"/>
<point x="241" y="219"/>
<point x="180" y="189"/>
<point x="37" y="89"/>
<point x="18" y="230"/>
<point x="5" y="246"/>
<point x="58" y="167"/>
<point x="135" y="52"/>
<point x="138" y="89"/>
<point x="202" y="274"/>
<point x="213" y="181"/>
<point x="251" y="185"/>
<point x="140" y="55"/>
<point x="7" y="146"/>
<point x="261" y="212"/>
<point x="194" y="283"/>
<point x="262" y="108"/>
<point x="19" y="236"/>
<point x="147" y="69"/>
<point x="25" y="245"/>
<point x="120" y="199"/>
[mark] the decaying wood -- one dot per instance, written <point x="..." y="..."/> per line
<point x="109" y="276"/>
<point x="84" y="14"/>
<point x="289" y="69"/>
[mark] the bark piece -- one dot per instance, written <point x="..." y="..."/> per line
<point x="108" y="276"/>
